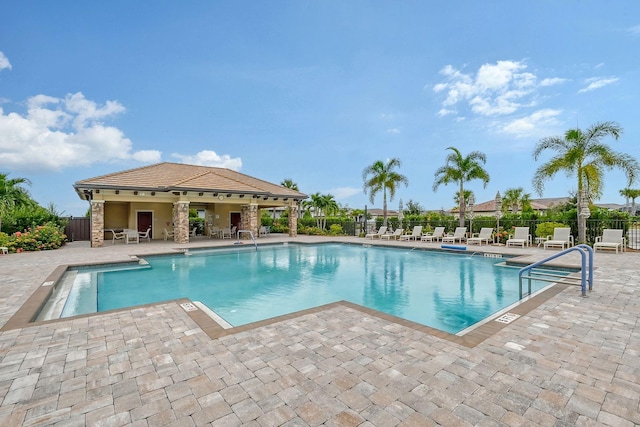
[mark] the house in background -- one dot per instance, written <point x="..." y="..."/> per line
<point x="159" y="197"/>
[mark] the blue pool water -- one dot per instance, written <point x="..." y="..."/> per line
<point x="449" y="292"/>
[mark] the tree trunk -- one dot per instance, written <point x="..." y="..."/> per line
<point x="463" y="205"/>
<point x="384" y="210"/>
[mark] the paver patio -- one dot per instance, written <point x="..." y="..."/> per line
<point x="570" y="361"/>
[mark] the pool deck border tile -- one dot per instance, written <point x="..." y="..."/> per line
<point x="567" y="360"/>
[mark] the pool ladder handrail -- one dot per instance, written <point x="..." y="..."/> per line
<point x="250" y="234"/>
<point x="583" y="249"/>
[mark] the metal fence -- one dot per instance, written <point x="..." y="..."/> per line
<point x="594" y="227"/>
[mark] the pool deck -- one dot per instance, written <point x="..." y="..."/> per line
<point x="568" y="361"/>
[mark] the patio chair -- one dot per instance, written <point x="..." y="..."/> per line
<point x="395" y="235"/>
<point x="438" y="233"/>
<point x="415" y="233"/>
<point x="167" y="233"/>
<point x="380" y="232"/>
<point x="145" y="235"/>
<point x="459" y="234"/>
<point x="262" y="231"/>
<point x="117" y="235"/>
<point x="131" y="236"/>
<point x="226" y="233"/>
<point x="520" y="237"/>
<point x="610" y="239"/>
<point x="561" y="237"/>
<point x="485" y="235"/>
<point x="193" y="232"/>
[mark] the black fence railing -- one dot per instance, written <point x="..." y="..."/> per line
<point x="594" y="227"/>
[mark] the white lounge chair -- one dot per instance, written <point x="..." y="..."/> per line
<point x="380" y="232"/>
<point x="145" y="235"/>
<point x="395" y="235"/>
<point x="415" y="233"/>
<point x="485" y="235"/>
<point x="520" y="237"/>
<point x="438" y="233"/>
<point x="610" y="239"/>
<point x="561" y="237"/>
<point x="459" y="234"/>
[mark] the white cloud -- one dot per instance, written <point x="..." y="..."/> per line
<point x="393" y="130"/>
<point x="495" y="89"/>
<point x="58" y="133"/>
<point x="597" y="83"/>
<point x="445" y="112"/>
<point x="635" y="30"/>
<point x="4" y="62"/>
<point x="147" y="156"/>
<point x="552" y="81"/>
<point x="538" y="123"/>
<point x="342" y="193"/>
<point x="210" y="158"/>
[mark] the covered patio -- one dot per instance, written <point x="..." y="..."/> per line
<point x="158" y="198"/>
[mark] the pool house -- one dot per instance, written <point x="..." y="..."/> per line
<point x="159" y="196"/>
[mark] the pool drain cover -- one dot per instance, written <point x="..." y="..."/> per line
<point x="507" y="318"/>
<point x="187" y="306"/>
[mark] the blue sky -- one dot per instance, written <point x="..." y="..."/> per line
<point x="312" y="91"/>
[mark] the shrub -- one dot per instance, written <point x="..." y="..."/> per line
<point x="336" y="230"/>
<point x="545" y="229"/>
<point x="42" y="237"/>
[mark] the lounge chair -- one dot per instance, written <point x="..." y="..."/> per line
<point x="145" y="235"/>
<point x="380" y="232"/>
<point x="438" y="233"/>
<point x="415" y="233"/>
<point x="395" y="235"/>
<point x="520" y="237"/>
<point x="459" y="234"/>
<point x="167" y="233"/>
<point x="610" y="239"/>
<point x="561" y="237"/>
<point x="131" y="236"/>
<point x="485" y="235"/>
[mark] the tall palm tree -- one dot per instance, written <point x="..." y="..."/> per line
<point x="515" y="199"/>
<point x="580" y="153"/>
<point x="381" y="177"/>
<point x="625" y="193"/>
<point x="459" y="169"/>
<point x="13" y="195"/>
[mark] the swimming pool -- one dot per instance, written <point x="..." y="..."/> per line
<point x="446" y="291"/>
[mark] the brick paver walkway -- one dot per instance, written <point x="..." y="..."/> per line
<point x="571" y="361"/>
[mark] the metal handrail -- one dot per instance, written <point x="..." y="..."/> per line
<point x="250" y="234"/>
<point x="583" y="250"/>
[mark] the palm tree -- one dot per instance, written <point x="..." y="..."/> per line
<point x="515" y="199"/>
<point x="288" y="183"/>
<point x="13" y="195"/>
<point x="459" y="169"/>
<point x="467" y="196"/>
<point x="625" y="192"/>
<point x="381" y="177"/>
<point x="633" y="195"/>
<point x="580" y="153"/>
<point x="322" y="206"/>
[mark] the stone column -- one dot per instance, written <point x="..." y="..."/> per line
<point x="293" y="220"/>
<point x="249" y="220"/>
<point x="181" y="222"/>
<point x="97" y="223"/>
